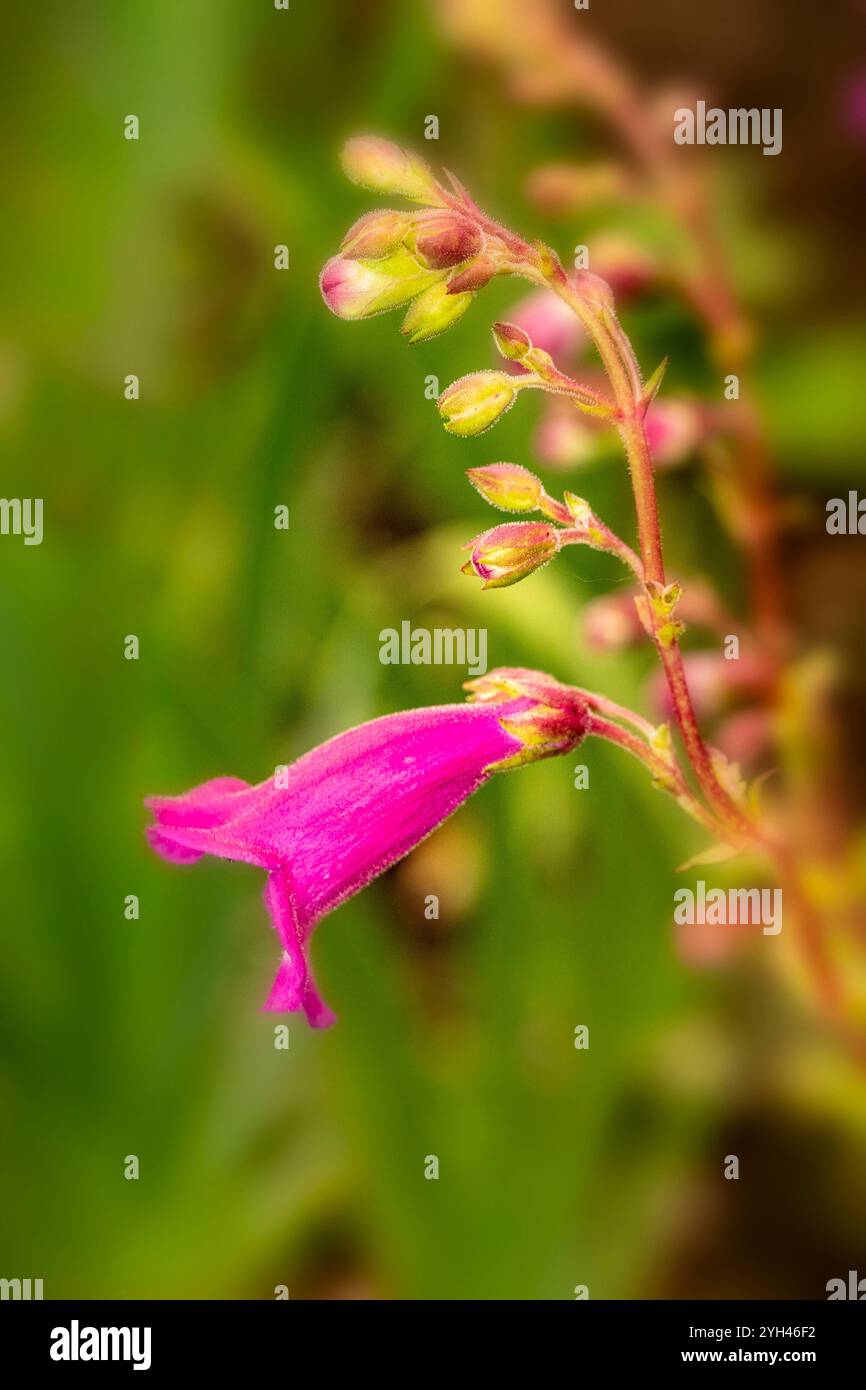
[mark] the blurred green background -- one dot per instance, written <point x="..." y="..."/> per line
<point x="305" y="1167"/>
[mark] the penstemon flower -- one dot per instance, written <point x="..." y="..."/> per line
<point x="331" y="822"/>
<point x="349" y="809"/>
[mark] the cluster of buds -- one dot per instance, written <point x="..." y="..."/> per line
<point x="432" y="260"/>
<point x="508" y="553"/>
<point x="675" y="427"/>
<point x="470" y="405"/>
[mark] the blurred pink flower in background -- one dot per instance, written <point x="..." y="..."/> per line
<point x="715" y="682"/>
<point x="674" y="430"/>
<point x="854" y="105"/>
<point x="550" y="324"/>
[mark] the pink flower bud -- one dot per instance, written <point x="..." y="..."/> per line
<point x="375" y="234"/>
<point x="472" y="404"/>
<point x="512" y="341"/>
<point x="746" y="737"/>
<point x="715" y="684"/>
<point x="383" y="167"/>
<point x="595" y="288"/>
<point x="508" y="486"/>
<point x="474" y="276"/>
<point x="359" y="289"/>
<point x="444" y="239"/>
<point x="508" y="553"/>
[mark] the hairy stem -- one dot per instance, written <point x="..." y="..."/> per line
<point x="618" y="358"/>
<point x="665" y="774"/>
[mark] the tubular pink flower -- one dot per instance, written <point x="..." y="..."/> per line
<point x="349" y="809"/>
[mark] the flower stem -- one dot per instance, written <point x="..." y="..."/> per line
<point x="620" y="364"/>
<point x="665" y="774"/>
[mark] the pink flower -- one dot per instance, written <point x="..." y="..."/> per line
<point x="564" y="438"/>
<point x="674" y="429"/>
<point x="716" y="683"/>
<point x="854" y="105"/>
<point x="325" y="826"/>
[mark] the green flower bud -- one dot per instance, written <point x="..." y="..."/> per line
<point x="383" y="167"/>
<point x="472" y="404"/>
<point x="375" y="234"/>
<point x="433" y="312"/>
<point x="512" y="342"/>
<point x="508" y="486"/>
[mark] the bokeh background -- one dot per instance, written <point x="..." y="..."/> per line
<point x="305" y="1167"/>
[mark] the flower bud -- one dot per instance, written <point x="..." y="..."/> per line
<point x="433" y="312"/>
<point x="375" y="234"/>
<point x="508" y="486"/>
<point x="473" y="403"/>
<point x="360" y="289"/>
<point x="473" y="276"/>
<point x="547" y="717"/>
<point x="512" y="341"/>
<point x="383" y="167"/>
<point x="443" y="239"/>
<point x="508" y="553"/>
